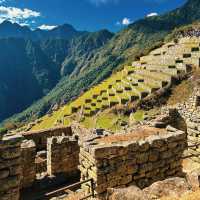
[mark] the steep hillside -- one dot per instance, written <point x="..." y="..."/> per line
<point x="26" y="74"/>
<point x="146" y="78"/>
<point x="139" y="38"/>
<point x="83" y="50"/>
<point x="36" y="67"/>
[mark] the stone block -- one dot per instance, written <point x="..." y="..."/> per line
<point x="16" y="170"/>
<point x="104" y="151"/>
<point x="142" y="157"/>
<point x="144" y="146"/>
<point x="133" y="147"/>
<point x="145" y="167"/>
<point x="101" y="188"/>
<point x="4" y="174"/>
<point x="8" y="183"/>
<point x="126" y="179"/>
<point x="166" y="154"/>
<point x="153" y="155"/>
<point x="11" y="153"/>
<point x="132" y="169"/>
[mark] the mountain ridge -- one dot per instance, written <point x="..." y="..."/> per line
<point x="135" y="40"/>
<point x="39" y="65"/>
<point x="65" y="31"/>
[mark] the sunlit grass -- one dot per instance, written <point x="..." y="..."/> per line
<point x="138" y="116"/>
<point x="120" y="88"/>
<point x="105" y="120"/>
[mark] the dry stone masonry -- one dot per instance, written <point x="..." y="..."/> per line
<point x="186" y="117"/>
<point x="41" y="162"/>
<point x="40" y="137"/>
<point x="20" y="157"/>
<point x="138" y="158"/>
<point x="28" y="163"/>
<point x="190" y="110"/>
<point x="133" y="162"/>
<point x="10" y="167"/>
<point x="62" y="156"/>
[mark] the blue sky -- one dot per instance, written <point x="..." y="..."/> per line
<point x="88" y="15"/>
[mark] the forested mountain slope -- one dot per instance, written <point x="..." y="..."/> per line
<point x="30" y="69"/>
<point x="138" y="38"/>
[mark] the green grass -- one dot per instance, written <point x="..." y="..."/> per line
<point x="120" y="96"/>
<point x="2" y="131"/>
<point x="119" y="88"/>
<point x="138" y="116"/>
<point x="105" y="120"/>
<point x="110" y="121"/>
<point x="88" y="122"/>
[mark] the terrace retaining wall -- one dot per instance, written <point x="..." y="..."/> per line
<point x="186" y="116"/>
<point x="191" y="113"/>
<point x="10" y="167"/>
<point x="133" y="162"/>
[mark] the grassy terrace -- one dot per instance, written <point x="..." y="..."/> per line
<point x="127" y="85"/>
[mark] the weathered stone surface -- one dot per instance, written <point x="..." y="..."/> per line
<point x="10" y="141"/>
<point x="144" y="146"/>
<point x="28" y="167"/>
<point x="139" y="162"/>
<point x="8" y="183"/>
<point x="193" y="179"/>
<point x="130" y="193"/>
<point x="4" y="174"/>
<point x="173" y="187"/>
<point x="63" y="156"/>
<point x="153" y="156"/>
<point x="134" y="146"/>
<point x="11" y="153"/>
<point x="142" y="157"/>
<point x="40" y="137"/>
<point x="10" y="171"/>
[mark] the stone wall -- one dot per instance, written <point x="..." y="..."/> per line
<point x="10" y="167"/>
<point x="28" y="163"/>
<point x="41" y="162"/>
<point x="62" y="156"/>
<point x="139" y="162"/>
<point x="40" y="137"/>
<point x="190" y="110"/>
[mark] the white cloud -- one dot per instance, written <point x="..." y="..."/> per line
<point x="125" y="22"/>
<point x="24" y="24"/>
<point x="99" y="2"/>
<point x="152" y="14"/>
<point x="46" y="27"/>
<point x="17" y="15"/>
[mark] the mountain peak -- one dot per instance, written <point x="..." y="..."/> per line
<point x="67" y="26"/>
<point x="9" y="29"/>
<point x="64" y="28"/>
<point x="9" y="24"/>
<point x="6" y="22"/>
